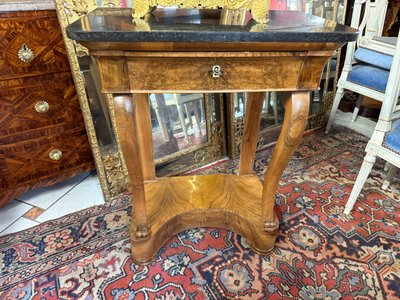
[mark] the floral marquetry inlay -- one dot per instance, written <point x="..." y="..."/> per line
<point x="259" y="8"/>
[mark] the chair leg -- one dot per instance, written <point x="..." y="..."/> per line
<point x="389" y="176"/>
<point x="182" y="120"/>
<point x="357" y="108"/>
<point x="369" y="161"/>
<point x="335" y="105"/>
<point x="197" y="114"/>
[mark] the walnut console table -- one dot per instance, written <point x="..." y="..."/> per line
<point x="185" y="51"/>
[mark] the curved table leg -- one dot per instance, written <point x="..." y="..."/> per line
<point x="124" y="107"/>
<point x="296" y="114"/>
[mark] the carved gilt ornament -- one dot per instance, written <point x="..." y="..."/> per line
<point x="259" y="8"/>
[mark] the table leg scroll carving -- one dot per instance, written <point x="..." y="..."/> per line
<point x="296" y="114"/>
<point x="124" y="107"/>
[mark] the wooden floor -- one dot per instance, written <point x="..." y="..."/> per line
<point x="223" y="201"/>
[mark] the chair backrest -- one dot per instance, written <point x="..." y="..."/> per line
<point x="321" y="8"/>
<point x="391" y="107"/>
<point x="369" y="17"/>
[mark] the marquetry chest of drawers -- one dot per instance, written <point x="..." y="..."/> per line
<point x="42" y="135"/>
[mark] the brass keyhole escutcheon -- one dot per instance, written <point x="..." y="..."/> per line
<point x="216" y="71"/>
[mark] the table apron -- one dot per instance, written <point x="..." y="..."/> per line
<point x="194" y="72"/>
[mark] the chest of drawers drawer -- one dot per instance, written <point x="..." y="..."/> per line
<point x="31" y="44"/>
<point x="45" y="157"/>
<point x="43" y="139"/>
<point x="30" y="106"/>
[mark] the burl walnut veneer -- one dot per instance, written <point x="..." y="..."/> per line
<point x="42" y="134"/>
<point x="185" y="51"/>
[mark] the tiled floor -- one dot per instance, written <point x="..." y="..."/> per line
<point x="84" y="191"/>
<point x="40" y="205"/>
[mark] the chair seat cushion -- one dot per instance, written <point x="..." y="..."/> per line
<point x="392" y="138"/>
<point x="369" y="76"/>
<point x="374" y="58"/>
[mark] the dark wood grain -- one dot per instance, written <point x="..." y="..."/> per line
<point x="27" y="136"/>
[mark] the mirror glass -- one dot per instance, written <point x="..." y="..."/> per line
<point x="178" y="122"/>
<point x="273" y="111"/>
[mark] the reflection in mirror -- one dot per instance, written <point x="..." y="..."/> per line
<point x="97" y="105"/>
<point x="178" y="122"/>
<point x="188" y="131"/>
<point x="321" y="99"/>
<point x="270" y="124"/>
<point x="272" y="110"/>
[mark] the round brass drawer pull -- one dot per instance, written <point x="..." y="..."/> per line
<point x="25" y="54"/>
<point x="55" y="154"/>
<point x="42" y="107"/>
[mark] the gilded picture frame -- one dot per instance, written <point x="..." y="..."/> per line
<point x="110" y="165"/>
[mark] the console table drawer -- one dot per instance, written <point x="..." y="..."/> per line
<point x="211" y="71"/>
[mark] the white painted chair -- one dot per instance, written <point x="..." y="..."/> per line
<point x="368" y="60"/>
<point x="391" y="171"/>
<point x="385" y="140"/>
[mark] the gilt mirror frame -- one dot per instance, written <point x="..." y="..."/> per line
<point x="111" y="167"/>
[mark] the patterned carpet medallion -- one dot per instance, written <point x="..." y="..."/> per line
<point x="320" y="252"/>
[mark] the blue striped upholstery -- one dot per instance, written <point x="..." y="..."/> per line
<point x="374" y="58"/>
<point x="392" y="138"/>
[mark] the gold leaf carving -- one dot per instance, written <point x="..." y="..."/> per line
<point x="141" y="25"/>
<point x="140" y="8"/>
<point x="212" y="3"/>
<point x="236" y="4"/>
<point x="189" y="4"/>
<point x="112" y="175"/>
<point x="259" y="8"/>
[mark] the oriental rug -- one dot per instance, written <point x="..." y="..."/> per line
<point x="320" y="252"/>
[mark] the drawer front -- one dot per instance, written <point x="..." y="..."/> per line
<point x="30" y="108"/>
<point x="31" y="44"/>
<point x="32" y="161"/>
<point x="265" y="71"/>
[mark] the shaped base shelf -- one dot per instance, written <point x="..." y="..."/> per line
<point x="224" y="201"/>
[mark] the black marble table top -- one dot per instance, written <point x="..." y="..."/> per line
<point x="192" y="25"/>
